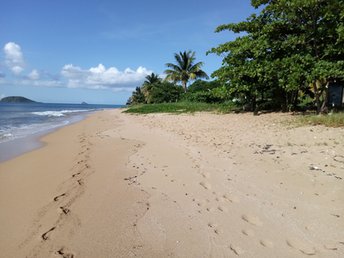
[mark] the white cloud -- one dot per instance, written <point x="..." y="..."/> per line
<point x="34" y="75"/>
<point x="72" y="76"/>
<point x="42" y="83"/>
<point x="14" y="57"/>
<point x="2" y="96"/>
<point x="100" y="77"/>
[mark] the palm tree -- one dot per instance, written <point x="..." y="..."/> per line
<point x="152" y="78"/>
<point x="185" y="69"/>
<point x="148" y="85"/>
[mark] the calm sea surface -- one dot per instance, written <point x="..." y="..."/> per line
<point x="20" y="121"/>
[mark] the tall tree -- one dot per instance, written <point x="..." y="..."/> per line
<point x="148" y="84"/>
<point x="184" y="69"/>
<point x="152" y="78"/>
<point x="290" y="44"/>
<point x="137" y="97"/>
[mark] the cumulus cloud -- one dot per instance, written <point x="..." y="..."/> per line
<point x="100" y="77"/>
<point x="41" y="79"/>
<point x="14" y="57"/>
<point x="71" y="76"/>
<point x="34" y="75"/>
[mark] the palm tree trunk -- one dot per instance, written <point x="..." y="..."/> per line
<point x="184" y="86"/>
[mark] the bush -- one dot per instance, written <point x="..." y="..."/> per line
<point x="164" y="92"/>
<point x="215" y="95"/>
<point x="200" y="85"/>
<point x="137" y="97"/>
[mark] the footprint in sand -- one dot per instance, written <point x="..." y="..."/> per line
<point x="206" y="175"/>
<point x="231" y="198"/>
<point x="254" y="220"/>
<point x="45" y="236"/>
<point x="248" y="232"/>
<point x="65" y="210"/>
<point x="64" y="253"/>
<point x="266" y="243"/>
<point x="222" y="209"/>
<point x="210" y="209"/>
<point x="76" y="174"/>
<point x="212" y="225"/>
<point x="330" y="247"/>
<point x="301" y="246"/>
<point x="236" y="249"/>
<point x="56" y="198"/>
<point x="205" y="185"/>
<point x="217" y="231"/>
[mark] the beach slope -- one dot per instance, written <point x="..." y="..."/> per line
<point x="202" y="185"/>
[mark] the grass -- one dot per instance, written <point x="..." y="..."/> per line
<point x="330" y="120"/>
<point x="180" y="107"/>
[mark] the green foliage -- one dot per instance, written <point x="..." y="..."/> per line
<point x="180" y="107"/>
<point x="137" y="97"/>
<point x="185" y="69"/>
<point x="154" y="90"/>
<point x="288" y="46"/>
<point x="162" y="92"/>
<point x="152" y="78"/>
<point x="148" y="85"/>
<point x="200" y="85"/>
<point x="215" y="95"/>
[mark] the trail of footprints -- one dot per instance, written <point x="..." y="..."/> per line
<point x="224" y="201"/>
<point x="64" y="201"/>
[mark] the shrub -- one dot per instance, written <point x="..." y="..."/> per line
<point x="163" y="92"/>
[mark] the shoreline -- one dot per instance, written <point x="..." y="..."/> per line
<point x="21" y="145"/>
<point x="199" y="185"/>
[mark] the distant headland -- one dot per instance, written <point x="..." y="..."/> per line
<point x="16" y="99"/>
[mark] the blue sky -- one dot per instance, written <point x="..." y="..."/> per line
<point x="98" y="51"/>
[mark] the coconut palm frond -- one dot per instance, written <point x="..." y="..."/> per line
<point x="184" y="69"/>
<point x="152" y="78"/>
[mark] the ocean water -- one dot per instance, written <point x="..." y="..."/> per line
<point x="19" y="122"/>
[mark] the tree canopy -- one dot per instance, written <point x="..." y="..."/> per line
<point x="154" y="90"/>
<point x="282" y="51"/>
<point x="184" y="69"/>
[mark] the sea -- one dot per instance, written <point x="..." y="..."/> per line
<point x="22" y="124"/>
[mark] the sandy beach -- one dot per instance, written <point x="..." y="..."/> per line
<point x="201" y="185"/>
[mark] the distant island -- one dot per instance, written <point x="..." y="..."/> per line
<point x="16" y="99"/>
<point x="84" y="103"/>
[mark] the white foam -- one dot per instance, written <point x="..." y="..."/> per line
<point x="58" y="113"/>
<point x="26" y="130"/>
<point x="5" y="136"/>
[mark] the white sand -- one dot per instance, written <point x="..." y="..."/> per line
<point x="202" y="185"/>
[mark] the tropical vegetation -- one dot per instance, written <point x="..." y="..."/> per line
<point x="290" y="50"/>
<point x="285" y="57"/>
<point x="184" y="69"/>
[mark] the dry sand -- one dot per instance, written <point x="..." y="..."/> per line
<point x="203" y="185"/>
